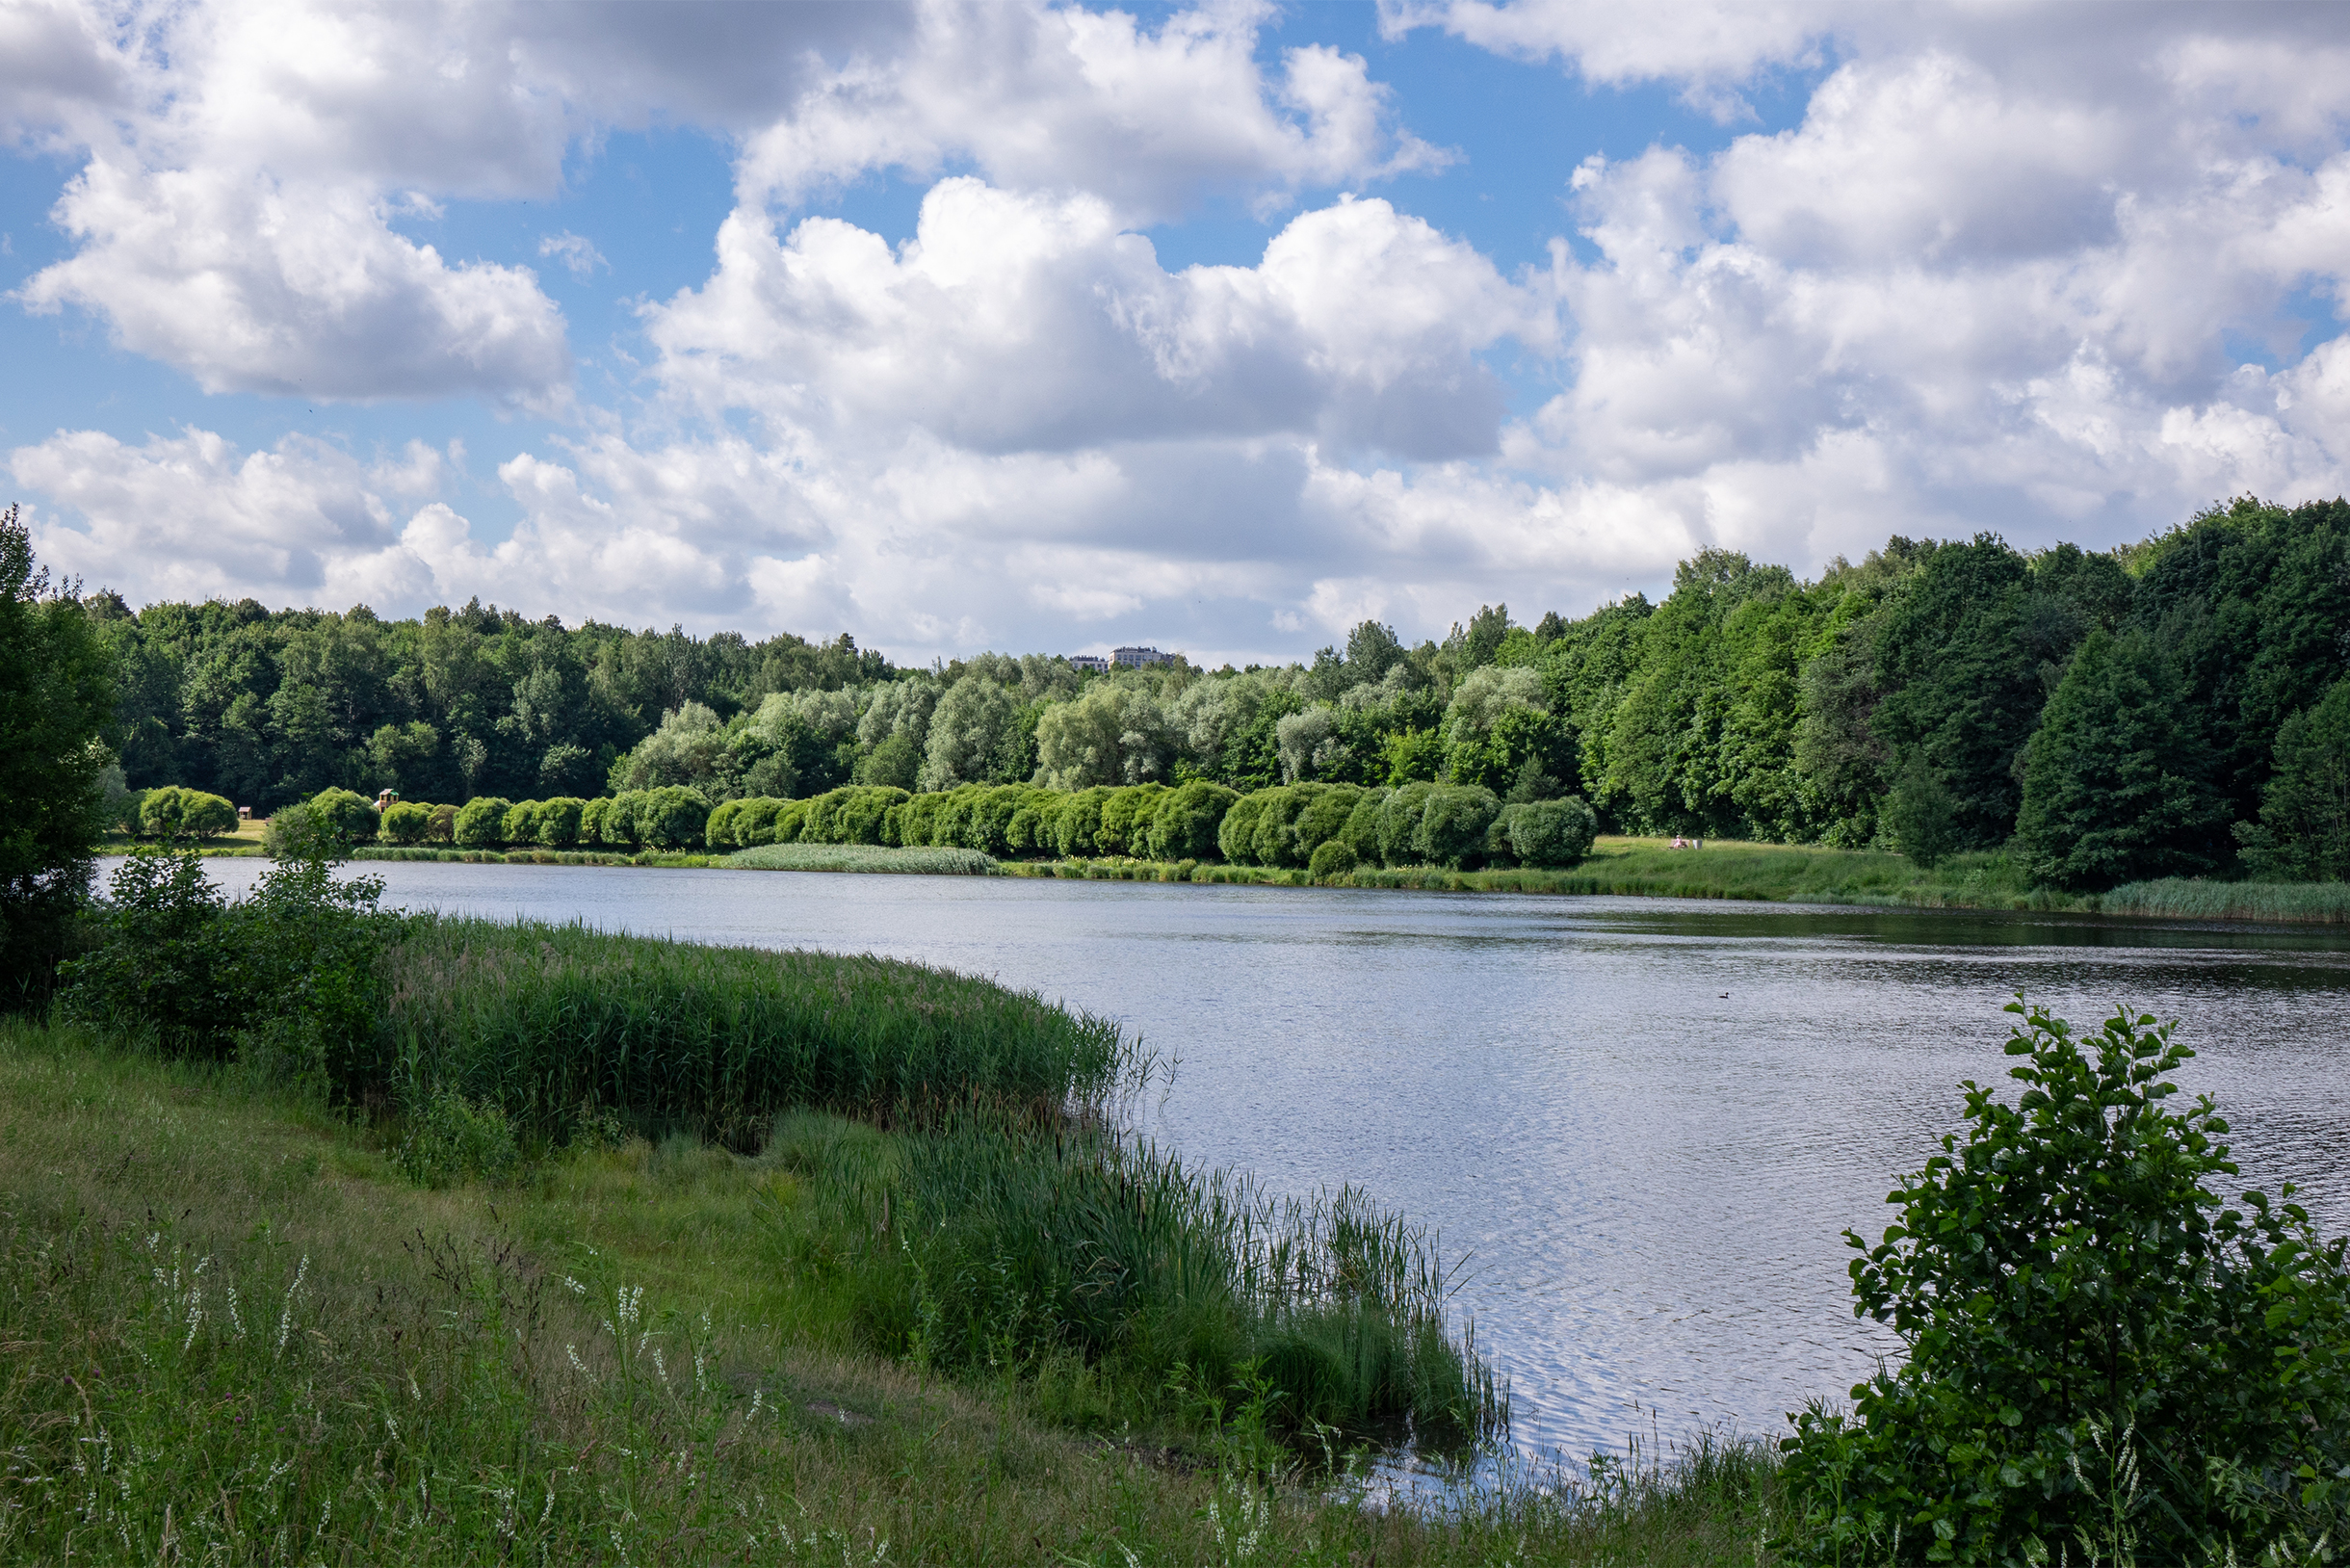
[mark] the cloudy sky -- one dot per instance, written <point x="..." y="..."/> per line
<point x="1051" y="327"/>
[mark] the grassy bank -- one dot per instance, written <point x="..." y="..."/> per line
<point x="237" y="1332"/>
<point x="1771" y="873"/>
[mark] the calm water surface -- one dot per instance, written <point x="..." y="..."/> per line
<point x="1644" y="1122"/>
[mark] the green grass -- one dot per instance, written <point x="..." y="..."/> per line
<point x="557" y="1025"/>
<point x="928" y="862"/>
<point x="641" y="1353"/>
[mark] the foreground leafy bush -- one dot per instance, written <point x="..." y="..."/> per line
<point x="287" y="973"/>
<point x="2104" y="1362"/>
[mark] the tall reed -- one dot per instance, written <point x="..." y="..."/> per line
<point x="2185" y="898"/>
<point x="998" y="1244"/>
<point x="929" y="862"/>
<point x="550" y="1021"/>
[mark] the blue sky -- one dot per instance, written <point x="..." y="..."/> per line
<point x="1046" y="327"/>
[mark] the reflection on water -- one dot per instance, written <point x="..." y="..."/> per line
<point x="1646" y="1121"/>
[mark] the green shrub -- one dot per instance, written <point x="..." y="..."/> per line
<point x="1332" y="858"/>
<point x="481" y="822"/>
<point x="1126" y="819"/>
<point x="1031" y="830"/>
<point x="350" y="818"/>
<point x="1188" y="820"/>
<point x="1079" y="820"/>
<point x="719" y="832"/>
<point x="591" y="820"/>
<point x="1235" y="836"/>
<point x="673" y="817"/>
<point x="295" y="834"/>
<point x="1401" y="817"/>
<point x="174" y="957"/>
<point x="755" y="825"/>
<point x="444" y="825"/>
<point x="120" y="807"/>
<point x="174" y="812"/>
<point x="791" y="822"/>
<point x="559" y="821"/>
<point x="520" y="824"/>
<point x="1324" y="818"/>
<point x="860" y="817"/>
<point x="1362" y="829"/>
<point x="450" y="1138"/>
<point x="406" y="822"/>
<point x="1546" y="834"/>
<point x="621" y="826"/>
<point x="1453" y="823"/>
<point x="2102" y="1357"/>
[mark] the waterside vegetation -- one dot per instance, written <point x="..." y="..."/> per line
<point x="2174" y="708"/>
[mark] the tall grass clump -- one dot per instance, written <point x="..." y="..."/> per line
<point x="550" y="1023"/>
<point x="999" y="1247"/>
<point x="927" y="862"/>
<point x="2181" y="897"/>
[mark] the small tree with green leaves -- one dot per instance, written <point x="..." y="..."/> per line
<point x="1922" y="813"/>
<point x="2106" y="1362"/>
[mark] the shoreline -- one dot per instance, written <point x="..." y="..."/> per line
<point x="1619" y="867"/>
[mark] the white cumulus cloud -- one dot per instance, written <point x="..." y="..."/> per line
<point x="1017" y="321"/>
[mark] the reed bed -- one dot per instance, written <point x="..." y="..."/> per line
<point x="561" y="1025"/>
<point x="2181" y="897"/>
<point x="998" y="1245"/>
<point x="924" y="862"/>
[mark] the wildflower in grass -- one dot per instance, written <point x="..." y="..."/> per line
<point x="285" y="1319"/>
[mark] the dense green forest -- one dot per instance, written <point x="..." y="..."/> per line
<point x="2170" y="707"/>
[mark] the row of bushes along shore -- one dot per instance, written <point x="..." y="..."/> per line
<point x="1325" y="827"/>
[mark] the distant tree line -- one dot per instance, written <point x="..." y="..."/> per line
<point x="2171" y="707"/>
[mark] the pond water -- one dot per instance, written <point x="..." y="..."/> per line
<point x="1643" y="1123"/>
